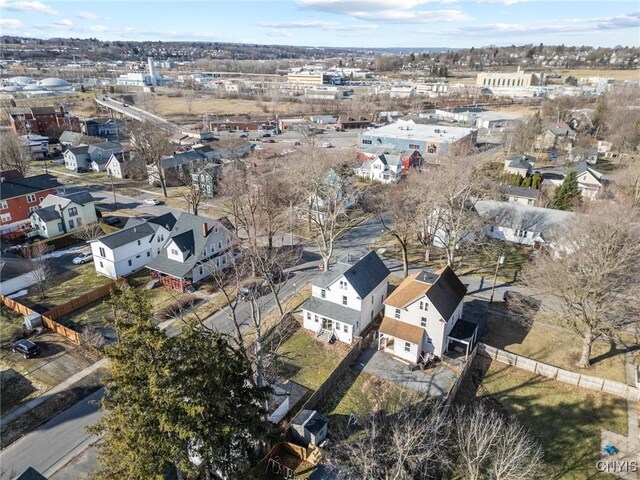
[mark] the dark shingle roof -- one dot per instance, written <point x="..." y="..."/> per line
<point x="521" y="192"/>
<point x="81" y="150"/>
<point x="446" y="293"/>
<point x="47" y="213"/>
<point x="521" y="161"/>
<point x="81" y="198"/>
<point x="363" y="275"/>
<point x="126" y="235"/>
<point x="24" y="186"/>
<point x="168" y="220"/>
<point x="332" y="310"/>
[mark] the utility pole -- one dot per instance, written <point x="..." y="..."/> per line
<point x="291" y="219"/>
<point x="495" y="276"/>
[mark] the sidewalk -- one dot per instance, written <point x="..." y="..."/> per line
<point x="30" y="405"/>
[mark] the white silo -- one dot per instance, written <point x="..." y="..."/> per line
<point x="152" y="71"/>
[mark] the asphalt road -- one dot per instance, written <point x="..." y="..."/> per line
<point x="53" y="444"/>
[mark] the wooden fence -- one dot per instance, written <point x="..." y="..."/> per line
<point x="565" y="376"/>
<point x="451" y="394"/>
<point x="49" y="318"/>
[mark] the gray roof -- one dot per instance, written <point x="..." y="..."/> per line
<point x="182" y="158"/>
<point x="81" y="198"/>
<point x="168" y="220"/>
<point x="521" y="161"/>
<point x="363" y="275"/>
<point x="105" y="146"/>
<point x="583" y="167"/>
<point x="315" y="421"/>
<point x="47" y="214"/>
<point x="81" y="150"/>
<point x="27" y="185"/>
<point x="446" y="293"/>
<point x="391" y="159"/>
<point x="546" y="221"/>
<point x="70" y="137"/>
<point x="331" y="310"/>
<point x="126" y="235"/>
<point x="521" y="192"/>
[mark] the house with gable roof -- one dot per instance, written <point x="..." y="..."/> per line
<point x="346" y="298"/>
<point x="60" y="214"/>
<point x="196" y="247"/>
<point x="384" y="168"/>
<point x="421" y="316"/>
<point x="84" y="156"/>
<point x="590" y="181"/>
<point x="520" y="164"/>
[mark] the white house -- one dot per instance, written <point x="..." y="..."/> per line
<point x="346" y="298"/>
<point x="330" y="190"/>
<point x="128" y="250"/>
<point x="520" y="195"/>
<point x="16" y="275"/>
<point x="38" y="145"/>
<point x="520" y="164"/>
<point x="384" y="168"/>
<point x="523" y="224"/>
<point x="117" y="167"/>
<point x="60" y="214"/>
<point x="88" y="156"/>
<point x="196" y="247"/>
<point x="421" y="314"/>
<point x="590" y="181"/>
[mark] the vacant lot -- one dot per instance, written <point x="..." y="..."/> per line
<point x="172" y="106"/>
<point x="566" y="420"/>
<point x="553" y="345"/>
<point x="307" y="361"/>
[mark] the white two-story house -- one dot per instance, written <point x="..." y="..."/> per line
<point x="126" y="251"/>
<point x="93" y="156"/>
<point x="196" y="248"/>
<point x="60" y="214"/>
<point x="346" y="298"/>
<point x="385" y="168"/>
<point x="420" y="315"/>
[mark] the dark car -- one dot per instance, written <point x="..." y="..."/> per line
<point x="249" y="291"/>
<point x="112" y="221"/>
<point x="82" y="170"/>
<point x="244" y="135"/>
<point x="277" y="275"/>
<point x="26" y="347"/>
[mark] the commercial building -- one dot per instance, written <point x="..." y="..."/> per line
<point x="504" y="79"/>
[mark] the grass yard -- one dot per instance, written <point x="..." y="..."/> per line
<point x="553" y="345"/>
<point x="566" y="420"/>
<point x="307" y="361"/>
<point x="9" y="326"/>
<point x="66" y="286"/>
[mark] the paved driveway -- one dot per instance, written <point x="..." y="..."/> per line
<point x="434" y="382"/>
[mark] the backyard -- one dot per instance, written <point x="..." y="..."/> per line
<point x="554" y="345"/>
<point x="566" y="420"/>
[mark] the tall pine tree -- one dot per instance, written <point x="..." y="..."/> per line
<point x="567" y="195"/>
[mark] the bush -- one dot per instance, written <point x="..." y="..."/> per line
<point x="174" y="308"/>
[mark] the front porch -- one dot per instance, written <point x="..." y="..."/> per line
<point x="171" y="282"/>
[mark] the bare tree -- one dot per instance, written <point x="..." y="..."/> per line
<point x="14" y="154"/>
<point x="486" y="444"/>
<point x="150" y="143"/>
<point x="88" y="232"/>
<point x="194" y="196"/>
<point x="329" y="196"/>
<point x="451" y="221"/>
<point x="39" y="265"/>
<point x="590" y="276"/>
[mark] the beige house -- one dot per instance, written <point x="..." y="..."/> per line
<point x="590" y="181"/>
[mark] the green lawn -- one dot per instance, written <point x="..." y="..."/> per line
<point x="553" y="345"/>
<point x="66" y="286"/>
<point x="566" y="420"/>
<point x="307" y="361"/>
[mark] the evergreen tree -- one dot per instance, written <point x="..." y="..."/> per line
<point x="170" y="399"/>
<point x="526" y="182"/>
<point x="536" y="181"/>
<point x="568" y="194"/>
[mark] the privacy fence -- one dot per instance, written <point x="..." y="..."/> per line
<point x="572" y="378"/>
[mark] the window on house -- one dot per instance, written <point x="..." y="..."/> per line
<point x="200" y="270"/>
<point x="323" y="293"/>
<point x="373" y="297"/>
<point x="129" y="262"/>
<point x="315" y="318"/>
<point x="491" y="228"/>
<point x="224" y="260"/>
<point x="414" y="146"/>
<point x="5" y="217"/>
<point x="174" y="251"/>
<point x="219" y="244"/>
<point x="41" y="198"/>
<point x="101" y="250"/>
<point x="101" y="265"/>
<point x="308" y="315"/>
<point x="397" y="314"/>
<point x="139" y="242"/>
<point x="3" y="205"/>
<point x="345" y="328"/>
<point x="149" y="253"/>
<point x="73" y="211"/>
<point x="71" y="224"/>
<point x="161" y="238"/>
<point x="31" y="198"/>
<point x="366" y="142"/>
<point x="79" y="221"/>
<point x="423" y="322"/>
<point x="424" y="305"/>
<point x="407" y="347"/>
<point x="31" y="209"/>
<point x="137" y="256"/>
<point x="344" y="300"/>
<point x="343" y="285"/>
<point x="429" y="340"/>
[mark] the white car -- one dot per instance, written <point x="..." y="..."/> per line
<point x="327" y="145"/>
<point x="152" y="201"/>
<point x="83" y="258"/>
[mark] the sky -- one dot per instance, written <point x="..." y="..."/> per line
<point x="334" y="23"/>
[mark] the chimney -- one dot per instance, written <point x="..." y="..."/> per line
<point x="205" y="229"/>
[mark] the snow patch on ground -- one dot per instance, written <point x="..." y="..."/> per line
<point x="60" y="253"/>
<point x="18" y="294"/>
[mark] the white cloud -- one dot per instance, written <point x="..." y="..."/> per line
<point x="558" y="26"/>
<point x="87" y="15"/>
<point x="98" y="28"/>
<point x="64" y="23"/>
<point x="28" y="7"/>
<point x="328" y="26"/>
<point x="503" y="2"/>
<point x="278" y="33"/>
<point x="419" y="16"/>
<point x="10" y="24"/>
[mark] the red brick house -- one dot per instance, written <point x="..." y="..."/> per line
<point x="347" y="122"/>
<point x="19" y="197"/>
<point x="42" y="120"/>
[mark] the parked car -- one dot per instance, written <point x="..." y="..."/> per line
<point x="249" y="291"/>
<point x="83" y="258"/>
<point x="264" y="135"/>
<point x="112" y="221"/>
<point x="82" y="170"/>
<point x="13" y="249"/>
<point x="26" y="347"/>
<point x="327" y="145"/>
<point x="152" y="201"/>
<point x="244" y="135"/>
<point x="297" y="143"/>
<point x="270" y="140"/>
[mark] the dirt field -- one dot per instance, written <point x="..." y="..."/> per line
<point x="205" y="104"/>
<point x="617" y="75"/>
